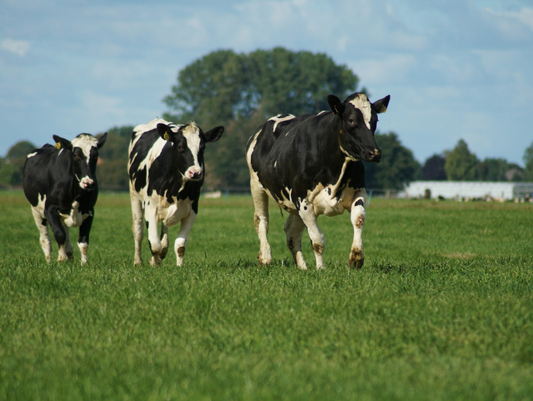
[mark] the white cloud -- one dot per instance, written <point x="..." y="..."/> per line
<point x="19" y="47"/>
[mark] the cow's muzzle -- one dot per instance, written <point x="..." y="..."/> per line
<point x="373" y="156"/>
<point x="194" y="174"/>
<point x="87" y="183"/>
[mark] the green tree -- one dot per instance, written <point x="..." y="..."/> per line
<point x="113" y="159"/>
<point x="461" y="164"/>
<point x="528" y="162"/>
<point x="13" y="164"/>
<point x="20" y="149"/>
<point x="492" y="169"/>
<point x="433" y="168"/>
<point x="396" y="168"/>
<point x="240" y="91"/>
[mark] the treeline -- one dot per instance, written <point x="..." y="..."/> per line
<point x="240" y="91"/>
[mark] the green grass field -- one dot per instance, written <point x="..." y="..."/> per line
<point x="442" y="309"/>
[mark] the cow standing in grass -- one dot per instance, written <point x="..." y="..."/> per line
<point x="311" y="165"/>
<point x="166" y="172"/>
<point x="60" y="184"/>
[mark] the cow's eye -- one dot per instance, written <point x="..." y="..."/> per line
<point x="351" y="121"/>
<point x="181" y="148"/>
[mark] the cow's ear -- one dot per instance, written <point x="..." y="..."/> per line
<point x="165" y="132"/>
<point x="102" y="140"/>
<point x="62" y="143"/>
<point x="214" y="134"/>
<point x="336" y="106"/>
<point x="380" y="106"/>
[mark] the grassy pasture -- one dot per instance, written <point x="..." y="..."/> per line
<point x="442" y="309"/>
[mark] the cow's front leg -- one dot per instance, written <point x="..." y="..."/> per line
<point x="358" y="216"/>
<point x="294" y="228"/>
<point x="315" y="234"/>
<point x="69" y="251"/>
<point x="44" y="234"/>
<point x="83" y="238"/>
<point x="164" y="241"/>
<point x="152" y="222"/>
<point x="183" y="235"/>
<point x="261" y="223"/>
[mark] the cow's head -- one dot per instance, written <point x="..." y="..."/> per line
<point x="358" y="121"/>
<point x="189" y="144"/>
<point x="84" y="155"/>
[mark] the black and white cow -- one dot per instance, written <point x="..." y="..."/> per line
<point x="311" y="165"/>
<point x="166" y="170"/>
<point x="60" y="184"/>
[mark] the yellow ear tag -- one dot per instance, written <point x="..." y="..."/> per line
<point x="166" y="137"/>
<point x="57" y="146"/>
<point x="341" y="131"/>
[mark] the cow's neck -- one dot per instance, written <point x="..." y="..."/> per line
<point x="340" y="158"/>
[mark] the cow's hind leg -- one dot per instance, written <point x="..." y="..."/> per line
<point x="44" y="234"/>
<point x="294" y="228"/>
<point x="181" y="242"/>
<point x="137" y="228"/>
<point x="358" y="216"/>
<point x="261" y="223"/>
<point x="315" y="234"/>
<point x="60" y="234"/>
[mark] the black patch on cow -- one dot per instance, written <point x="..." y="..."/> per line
<point x="359" y="202"/>
<point x="147" y="224"/>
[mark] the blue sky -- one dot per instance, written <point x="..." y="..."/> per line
<point x="454" y="69"/>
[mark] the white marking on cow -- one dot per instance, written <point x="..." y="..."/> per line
<point x="74" y="218"/>
<point x="322" y="112"/>
<point x="361" y="102"/>
<point x="348" y="155"/>
<point x="31" y="154"/>
<point x="277" y="119"/>
<point x="85" y="142"/>
<point x="192" y="134"/>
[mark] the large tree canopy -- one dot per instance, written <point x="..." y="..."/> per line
<point x="240" y="91"/>
<point x="224" y="86"/>
<point x="461" y="164"/>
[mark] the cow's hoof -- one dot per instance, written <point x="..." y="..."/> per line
<point x="263" y="261"/>
<point x="357" y="259"/>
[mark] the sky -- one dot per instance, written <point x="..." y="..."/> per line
<point x="455" y="69"/>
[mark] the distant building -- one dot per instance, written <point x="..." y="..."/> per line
<point x="469" y="189"/>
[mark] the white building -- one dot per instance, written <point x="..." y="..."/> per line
<point x="470" y="189"/>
